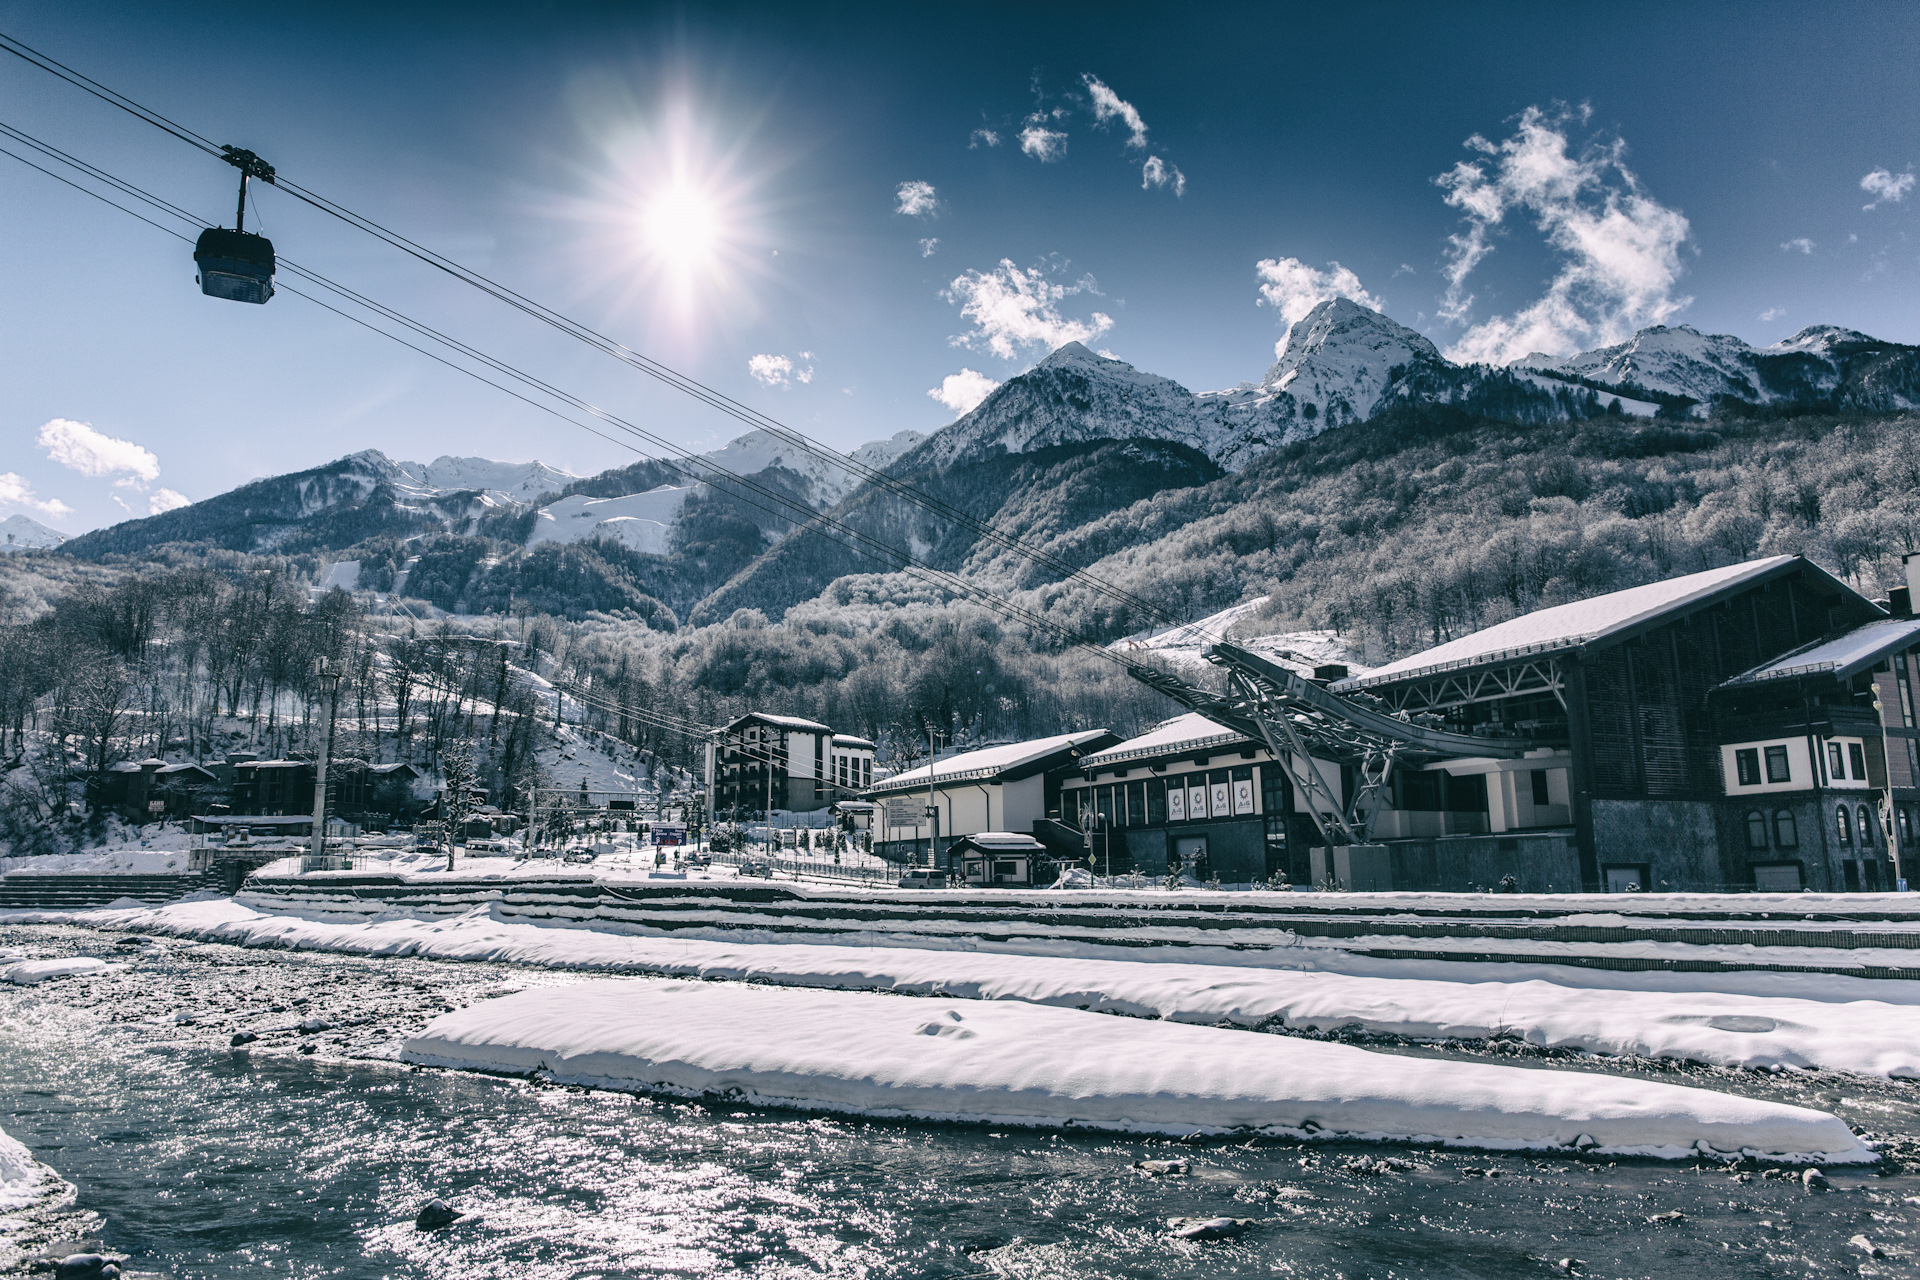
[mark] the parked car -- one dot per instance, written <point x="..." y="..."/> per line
<point x="581" y="855"/>
<point x="924" y="880"/>
<point x="757" y="867"/>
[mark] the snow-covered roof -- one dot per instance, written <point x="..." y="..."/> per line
<point x="1568" y="626"/>
<point x="848" y="740"/>
<point x="1843" y="656"/>
<point x="782" y="722"/>
<point x="1183" y="733"/>
<point x="987" y="762"/>
<point x="1002" y="842"/>
<point x="254" y="819"/>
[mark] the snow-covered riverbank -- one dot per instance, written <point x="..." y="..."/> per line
<point x="1832" y="1022"/>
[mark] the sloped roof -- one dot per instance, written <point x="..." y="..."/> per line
<point x="781" y="722"/>
<point x="848" y="740"/>
<point x="1844" y="656"/>
<point x="988" y="762"/>
<point x="1183" y="733"/>
<point x="1001" y="842"/>
<point x="1568" y="626"/>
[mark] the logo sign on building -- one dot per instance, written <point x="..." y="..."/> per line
<point x="156" y="806"/>
<point x="1196" y="802"/>
<point x="903" y="811"/>
<point x="1177" y="804"/>
<point x="1222" y="800"/>
<point x="1243" y="796"/>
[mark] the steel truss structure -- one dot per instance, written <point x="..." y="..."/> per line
<point x="1485" y="684"/>
<point x="1306" y="728"/>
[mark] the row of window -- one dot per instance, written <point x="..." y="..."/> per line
<point x="852" y="772"/>
<point x="1194" y="797"/>
<point x="1850" y="827"/>
<point x="1746" y="763"/>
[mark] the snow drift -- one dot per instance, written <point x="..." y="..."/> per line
<point x="1012" y="1063"/>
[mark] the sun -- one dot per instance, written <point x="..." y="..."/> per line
<point x="681" y="226"/>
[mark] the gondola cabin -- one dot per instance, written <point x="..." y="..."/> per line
<point x="235" y="265"/>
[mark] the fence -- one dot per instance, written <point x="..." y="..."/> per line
<point x="813" y="868"/>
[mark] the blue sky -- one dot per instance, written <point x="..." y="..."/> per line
<point x="830" y="213"/>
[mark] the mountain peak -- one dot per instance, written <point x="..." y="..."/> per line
<point x="1071" y="353"/>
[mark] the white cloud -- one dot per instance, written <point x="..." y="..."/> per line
<point x="164" y="499"/>
<point x="1799" y="244"/>
<point x="1620" y="248"/>
<point x="1013" y="309"/>
<point x="78" y="446"/>
<point x="1043" y="144"/>
<point x="1886" y="187"/>
<point x="1293" y="288"/>
<point x="982" y="138"/>
<point x="1158" y="173"/>
<point x="928" y="245"/>
<point x="1108" y="105"/>
<point x="964" y="390"/>
<point x="15" y="491"/>
<point x="916" y="199"/>
<point x="1771" y="314"/>
<point x="779" y="371"/>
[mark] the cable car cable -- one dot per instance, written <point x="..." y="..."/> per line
<point x="653" y="368"/>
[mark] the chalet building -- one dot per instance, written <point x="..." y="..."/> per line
<point x="1746" y="727"/>
<point x="1194" y="797"/>
<point x="286" y="786"/>
<point x="144" y="789"/>
<point x="762" y="762"/>
<point x="1012" y="789"/>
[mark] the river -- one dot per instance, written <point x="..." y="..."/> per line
<point x="307" y="1152"/>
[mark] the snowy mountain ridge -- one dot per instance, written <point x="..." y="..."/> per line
<point x="1344" y="363"/>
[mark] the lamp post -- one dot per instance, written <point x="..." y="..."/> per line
<point x="329" y="675"/>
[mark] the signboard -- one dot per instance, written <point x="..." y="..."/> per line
<point x="1222" y="800"/>
<point x="1177" y="804"/>
<point x="902" y="811"/>
<point x="1243" y="796"/>
<point x="1196" y="802"/>
<point x="156" y="806"/>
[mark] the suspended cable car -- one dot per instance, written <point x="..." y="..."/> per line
<point x="237" y="265"/>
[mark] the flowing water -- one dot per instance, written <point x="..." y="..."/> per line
<point x="206" y="1161"/>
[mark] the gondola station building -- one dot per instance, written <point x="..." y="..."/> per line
<point x="1748" y="727"/>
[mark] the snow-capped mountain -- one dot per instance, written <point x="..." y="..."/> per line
<point x="1677" y="363"/>
<point x="513" y="481"/>
<point x="23" y="533"/>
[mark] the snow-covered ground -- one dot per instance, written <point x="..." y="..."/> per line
<point x="24" y="1181"/>
<point x="1016" y="1063"/>
<point x="1833" y="1022"/>
<point x="1186" y="645"/>
<point x="642" y="521"/>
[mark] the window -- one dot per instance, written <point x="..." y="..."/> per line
<point x="1906" y="827"/>
<point x="1843" y="825"/>
<point x="1103" y="805"/>
<point x="1541" y="796"/>
<point x="1777" y="769"/>
<point x="1780" y="878"/>
<point x="1746" y="762"/>
<point x="1156" y="802"/>
<point x="1786" y="832"/>
<point x="1858" y="754"/>
<point x="1836" y="761"/>
<point x="1866" y="827"/>
<point x="1136" y="804"/>
<point x="1756" y="829"/>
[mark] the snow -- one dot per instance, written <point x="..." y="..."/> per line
<point x="23" y="1180"/>
<point x="23" y="533"/>
<point x="31" y="973"/>
<point x="1677" y="360"/>
<point x="1186" y="643"/>
<point x="513" y="481"/>
<point x="1828" y="1021"/>
<point x="1567" y="625"/>
<point x="344" y="574"/>
<point x="1843" y="655"/>
<point x="1023" y="1064"/>
<point x="642" y="521"/>
<point x="987" y="761"/>
<point x="1183" y="732"/>
<point x="166" y="856"/>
